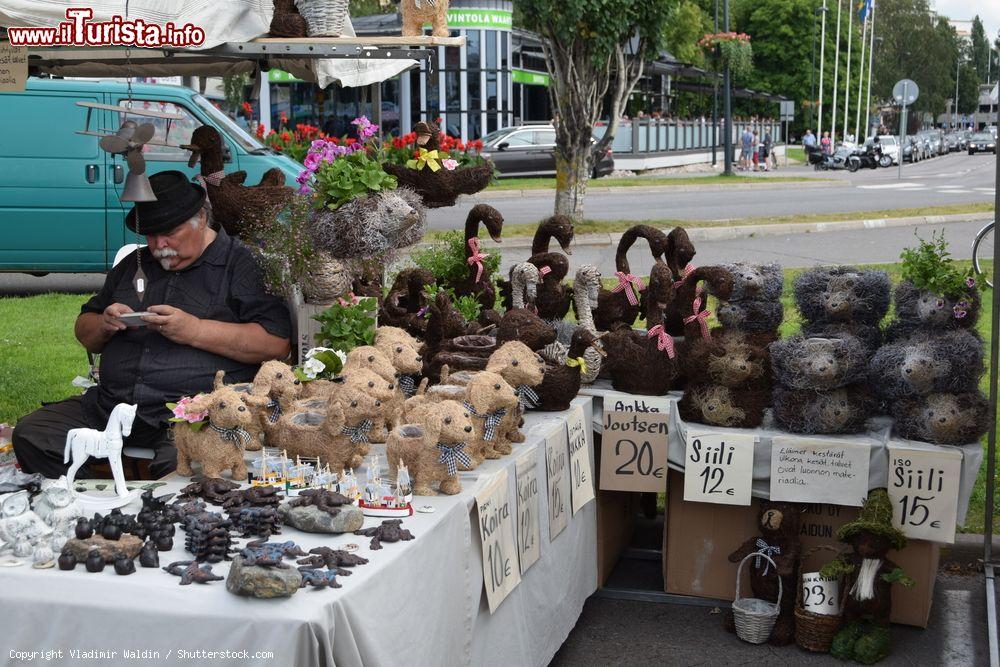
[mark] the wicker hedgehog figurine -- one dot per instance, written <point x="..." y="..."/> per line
<point x="943" y="419"/>
<point x="921" y="309"/>
<point x="926" y="363"/>
<point x="843" y="410"/>
<point x="842" y="294"/>
<point x="727" y="358"/>
<point x="371" y="226"/>
<point x="819" y="363"/>
<point x="719" y="405"/>
<point x="759" y="282"/>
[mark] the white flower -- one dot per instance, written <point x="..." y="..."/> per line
<point x="312" y="367"/>
<point x="341" y="355"/>
<point x="316" y="350"/>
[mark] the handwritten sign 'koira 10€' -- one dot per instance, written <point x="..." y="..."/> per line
<point x="817" y="470"/>
<point x="718" y="467"/>
<point x="634" y="451"/>
<point x="496" y="531"/>
<point x="923" y="487"/>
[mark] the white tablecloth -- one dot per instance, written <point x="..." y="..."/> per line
<point x="416" y="603"/>
<point x="878" y="435"/>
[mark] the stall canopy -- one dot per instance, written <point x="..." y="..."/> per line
<point x="232" y="45"/>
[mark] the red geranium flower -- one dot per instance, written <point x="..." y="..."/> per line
<point x="248" y="108"/>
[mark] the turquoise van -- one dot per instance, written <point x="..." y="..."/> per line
<point x="59" y="205"/>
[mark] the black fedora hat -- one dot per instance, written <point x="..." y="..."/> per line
<point x="177" y="201"/>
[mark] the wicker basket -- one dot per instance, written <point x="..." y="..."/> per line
<point x="324" y="18"/>
<point x="441" y="188"/>
<point x="755" y="618"/>
<point x="814" y="632"/>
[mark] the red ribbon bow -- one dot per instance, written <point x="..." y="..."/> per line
<point x="477" y="257"/>
<point x="631" y="284"/>
<point x="214" y="178"/>
<point x="665" y="342"/>
<point x="544" y="271"/>
<point x="685" y="272"/>
<point x="701" y="317"/>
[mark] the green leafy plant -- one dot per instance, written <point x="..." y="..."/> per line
<point x="930" y="268"/>
<point x="729" y="48"/>
<point x="284" y="246"/>
<point x="351" y="176"/>
<point x="446" y="259"/>
<point x="466" y="305"/>
<point x="346" y="326"/>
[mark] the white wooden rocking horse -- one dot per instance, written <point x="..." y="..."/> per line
<point x="82" y="443"/>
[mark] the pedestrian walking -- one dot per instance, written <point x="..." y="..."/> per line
<point x="767" y="151"/>
<point x="825" y="144"/>
<point x="808" y="139"/>
<point x="746" y="145"/>
<point x="755" y="151"/>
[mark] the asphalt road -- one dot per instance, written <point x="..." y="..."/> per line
<point x="950" y="179"/>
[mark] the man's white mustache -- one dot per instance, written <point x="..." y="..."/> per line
<point x="164" y="252"/>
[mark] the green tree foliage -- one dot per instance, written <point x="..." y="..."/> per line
<point x="596" y="52"/>
<point x="687" y="24"/>
<point x="371" y="7"/>
<point x="968" y="89"/>
<point x="980" y="54"/>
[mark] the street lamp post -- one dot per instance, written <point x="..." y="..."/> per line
<point x="954" y="114"/>
<point x="715" y="99"/>
<point x="822" y="61"/>
<point x="727" y="102"/>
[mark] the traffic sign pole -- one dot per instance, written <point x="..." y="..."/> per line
<point x="905" y="92"/>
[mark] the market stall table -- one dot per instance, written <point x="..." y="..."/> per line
<point x="417" y="602"/>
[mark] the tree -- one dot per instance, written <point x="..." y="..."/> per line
<point x="980" y="49"/>
<point x="968" y="89"/>
<point x="686" y="25"/>
<point x="595" y="53"/>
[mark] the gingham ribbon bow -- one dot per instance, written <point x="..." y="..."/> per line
<point x="685" y="272"/>
<point x="215" y="178"/>
<point x="526" y="396"/>
<point x="631" y="284"/>
<point x="358" y="433"/>
<point x="275" y="407"/>
<point x="238" y="435"/>
<point x="477" y="257"/>
<point x="579" y="361"/>
<point x="544" y="271"/>
<point x="664" y="342"/>
<point x="491" y="420"/>
<point x="452" y="455"/>
<point x="406" y="384"/>
<point x="700" y="317"/>
<point x="768" y="550"/>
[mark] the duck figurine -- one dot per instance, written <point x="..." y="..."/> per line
<point x="561" y="382"/>
<point x="520" y="322"/>
<point x="553" y="299"/>
<point x="586" y="286"/>
<point x="645" y="362"/>
<point x="621" y="304"/>
<point x="233" y="203"/>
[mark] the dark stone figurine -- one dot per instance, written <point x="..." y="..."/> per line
<point x="95" y="561"/>
<point x="84" y="529"/>
<point x="111" y="532"/>
<point x="124" y="565"/>
<point x="149" y="556"/>
<point x="67" y="561"/>
<point x="390" y="530"/>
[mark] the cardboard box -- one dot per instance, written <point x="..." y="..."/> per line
<point x="700" y="536"/>
<point x="615" y="521"/>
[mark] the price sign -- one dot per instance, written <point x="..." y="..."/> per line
<point x="923" y="487"/>
<point x="496" y="531"/>
<point x="580" y="475"/>
<point x="718" y="468"/>
<point x="815" y="470"/>
<point x="618" y="402"/>
<point x="557" y="467"/>
<point x="634" y="451"/>
<point x="820" y="595"/>
<point x="528" y="532"/>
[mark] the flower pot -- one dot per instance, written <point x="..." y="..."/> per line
<point x="442" y="187"/>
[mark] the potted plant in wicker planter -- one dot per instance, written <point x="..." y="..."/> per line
<point x="728" y="48"/>
<point x="438" y="167"/>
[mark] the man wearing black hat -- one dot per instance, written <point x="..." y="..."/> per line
<point x="209" y="312"/>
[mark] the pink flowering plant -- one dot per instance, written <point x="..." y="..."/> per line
<point x="337" y="171"/>
<point x="184" y="415"/>
<point x="729" y="48"/>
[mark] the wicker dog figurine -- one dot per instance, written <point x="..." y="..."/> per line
<point x="522" y="369"/>
<point x="220" y="444"/>
<point x="433" y="448"/>
<point x="415" y="13"/>
<point x="489" y="398"/>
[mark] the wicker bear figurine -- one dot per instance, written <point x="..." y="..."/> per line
<point x="778" y="539"/>
<point x="433" y="448"/>
<point x="869" y="575"/>
<point x="219" y="445"/>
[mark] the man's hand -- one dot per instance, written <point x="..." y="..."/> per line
<point x="110" y="324"/>
<point x="174" y="324"/>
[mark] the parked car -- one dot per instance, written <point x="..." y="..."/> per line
<point x="982" y="142"/>
<point x="59" y="195"/>
<point x="890" y="146"/>
<point x="529" y="150"/>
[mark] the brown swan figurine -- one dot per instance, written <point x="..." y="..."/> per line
<point x="553" y="298"/>
<point x="479" y="282"/>
<point x="621" y="304"/>
<point x="406" y="304"/>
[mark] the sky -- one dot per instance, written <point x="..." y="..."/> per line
<point x="989" y="12"/>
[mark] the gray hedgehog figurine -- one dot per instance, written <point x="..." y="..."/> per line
<point x="842" y="294"/>
<point x="819" y="363"/>
<point x="371" y="225"/>
<point x="943" y="419"/>
<point x="928" y="363"/>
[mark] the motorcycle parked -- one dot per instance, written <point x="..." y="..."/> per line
<point x="870" y="157"/>
<point x="815" y="156"/>
<point x="839" y="160"/>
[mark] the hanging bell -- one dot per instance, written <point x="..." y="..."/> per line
<point x="137" y="188"/>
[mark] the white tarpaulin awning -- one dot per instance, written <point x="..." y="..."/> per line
<point x="224" y="21"/>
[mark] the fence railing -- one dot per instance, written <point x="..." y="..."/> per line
<point x="647" y="136"/>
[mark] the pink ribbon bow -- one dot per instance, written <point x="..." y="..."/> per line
<point x="544" y="271"/>
<point x="665" y="342"/>
<point x="685" y="272"/>
<point x="700" y="317"/>
<point x="631" y="284"/>
<point x="477" y="257"/>
<point x="214" y="178"/>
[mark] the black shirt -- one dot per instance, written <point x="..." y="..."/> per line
<point x="139" y="365"/>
